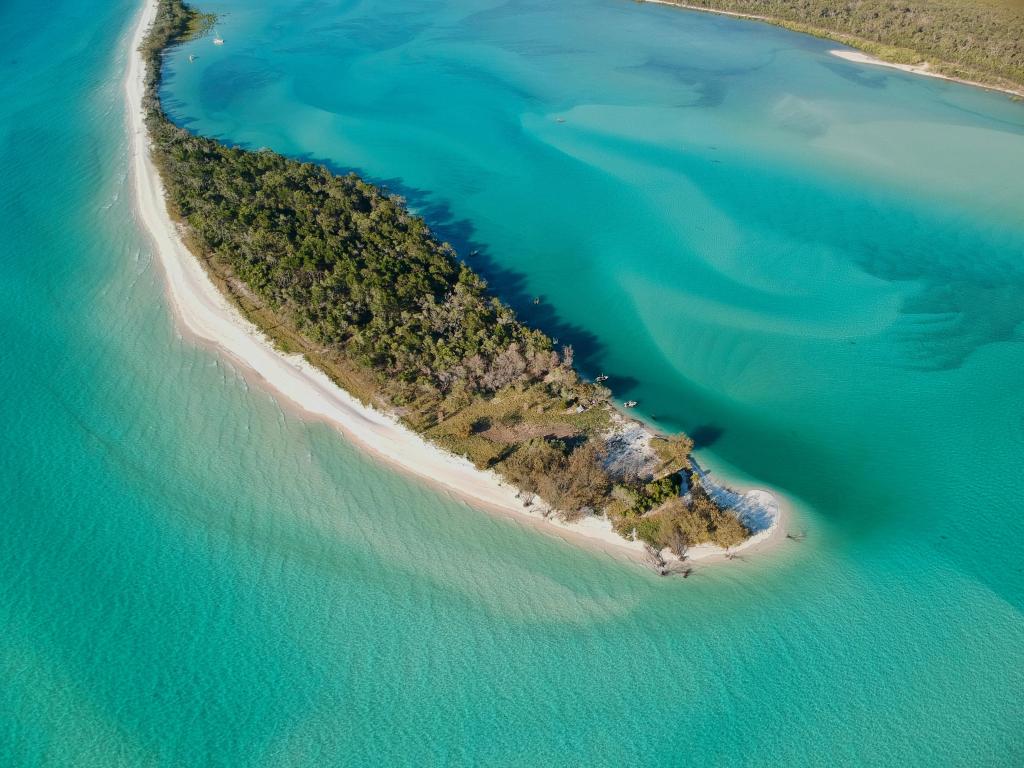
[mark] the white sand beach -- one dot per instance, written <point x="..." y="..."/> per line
<point x="204" y="312"/>
<point x="916" y="69"/>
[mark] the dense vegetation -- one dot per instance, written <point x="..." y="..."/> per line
<point x="339" y="270"/>
<point x="981" y="40"/>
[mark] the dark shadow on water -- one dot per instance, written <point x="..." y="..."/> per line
<point x="620" y="384"/>
<point x="706" y="435"/>
<point x="506" y="283"/>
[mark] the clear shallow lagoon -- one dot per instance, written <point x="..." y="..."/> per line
<point x="816" y="267"/>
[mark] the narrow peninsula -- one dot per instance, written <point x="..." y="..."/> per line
<point x="353" y="309"/>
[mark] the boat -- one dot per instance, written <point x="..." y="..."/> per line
<point x="601" y="379"/>
<point x="191" y="58"/>
<point x="536" y="299"/>
<point x="218" y="40"/>
<point x="630" y="404"/>
<point x="560" y="120"/>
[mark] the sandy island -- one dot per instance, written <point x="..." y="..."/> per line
<point x="204" y="312"/>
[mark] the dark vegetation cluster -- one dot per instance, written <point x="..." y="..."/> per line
<point x="340" y="270"/>
<point x="979" y="40"/>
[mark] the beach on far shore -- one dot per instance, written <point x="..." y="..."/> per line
<point x="860" y="57"/>
<point x="856" y="56"/>
<point x="206" y="314"/>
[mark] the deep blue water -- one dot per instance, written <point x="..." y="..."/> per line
<point x="814" y="266"/>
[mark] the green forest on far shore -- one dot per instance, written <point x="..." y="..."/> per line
<point x="978" y="40"/>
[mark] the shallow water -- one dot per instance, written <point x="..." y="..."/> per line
<point x="814" y="266"/>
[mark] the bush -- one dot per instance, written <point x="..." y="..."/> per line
<point x="674" y="454"/>
<point x="679" y="525"/>
<point x="570" y="482"/>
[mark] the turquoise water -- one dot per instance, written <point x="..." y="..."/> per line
<point x="814" y="266"/>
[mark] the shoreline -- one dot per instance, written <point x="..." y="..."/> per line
<point x="205" y="313"/>
<point x="923" y="69"/>
<point x="757" y="499"/>
<point x="854" y="55"/>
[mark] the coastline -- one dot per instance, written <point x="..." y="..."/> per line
<point x="204" y="312"/>
<point x="856" y="56"/>
<point x="751" y="502"/>
<point x="859" y="57"/>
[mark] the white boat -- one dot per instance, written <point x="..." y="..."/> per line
<point x="601" y="379"/>
<point x="218" y="40"/>
<point x="630" y="404"/>
<point x="191" y="58"/>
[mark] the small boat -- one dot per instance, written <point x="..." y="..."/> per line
<point x="559" y="119"/>
<point x="601" y="379"/>
<point x="218" y="40"/>
<point x="191" y="58"/>
<point x="630" y="404"/>
<point x="536" y="299"/>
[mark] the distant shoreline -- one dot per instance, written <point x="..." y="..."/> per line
<point x="856" y="56"/>
<point x="859" y="57"/>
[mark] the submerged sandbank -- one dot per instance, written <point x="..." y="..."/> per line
<point x="850" y="55"/>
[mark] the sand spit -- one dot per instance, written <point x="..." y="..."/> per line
<point x="207" y="314"/>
